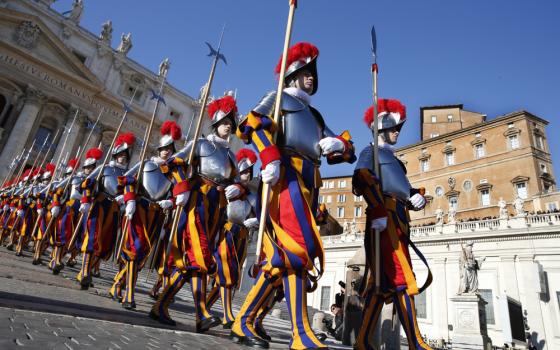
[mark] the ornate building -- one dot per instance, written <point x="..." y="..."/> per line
<point x="52" y="68"/>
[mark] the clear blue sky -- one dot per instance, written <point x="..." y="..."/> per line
<point x="494" y="56"/>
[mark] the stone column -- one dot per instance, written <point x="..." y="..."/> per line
<point x="439" y="305"/>
<point x="96" y="137"/>
<point x="529" y="291"/>
<point x="74" y="138"/>
<point x="33" y="101"/>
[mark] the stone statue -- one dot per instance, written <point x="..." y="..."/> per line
<point x="126" y="43"/>
<point x="345" y="226"/>
<point x="469" y="266"/>
<point x="354" y="227"/>
<point x="439" y="216"/>
<point x="451" y="215"/>
<point x="164" y="67"/>
<point x="77" y="11"/>
<point x="518" y="206"/>
<point x="503" y="208"/>
<point x="106" y="32"/>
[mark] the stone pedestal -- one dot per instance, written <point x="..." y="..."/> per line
<point x="469" y="325"/>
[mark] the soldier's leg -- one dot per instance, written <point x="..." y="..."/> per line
<point x="131" y="276"/>
<point x="213" y="296"/>
<point x="160" y="310"/>
<point x="226" y="294"/>
<point x="407" y="314"/>
<point x="258" y="295"/>
<point x="295" y="289"/>
<point x="85" y="272"/>
<point x="204" y="320"/>
<point x="118" y="280"/>
<point x="373" y="306"/>
<point x="262" y="312"/>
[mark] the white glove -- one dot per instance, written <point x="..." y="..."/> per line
<point x="84" y="208"/>
<point x="165" y="204"/>
<point x="251" y="223"/>
<point x="40" y="211"/>
<point x="6" y="207"/>
<point x="379" y="224"/>
<point x="130" y="209"/>
<point x="271" y="173"/>
<point x="232" y="191"/>
<point x="12" y="209"/>
<point x="119" y="199"/>
<point x="182" y="198"/>
<point x="55" y="211"/>
<point x="158" y="160"/>
<point x="418" y="201"/>
<point x="330" y="145"/>
<point x="20" y="213"/>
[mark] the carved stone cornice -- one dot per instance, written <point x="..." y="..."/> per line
<point x="485" y="186"/>
<point x="478" y="141"/>
<point x="448" y="149"/>
<point x="511" y="132"/>
<point x="519" y="179"/>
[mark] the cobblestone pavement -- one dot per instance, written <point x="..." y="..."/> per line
<point x="41" y="311"/>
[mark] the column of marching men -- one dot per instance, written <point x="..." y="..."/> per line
<point x="191" y="222"/>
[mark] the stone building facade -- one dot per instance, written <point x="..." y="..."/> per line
<point x="52" y="68"/>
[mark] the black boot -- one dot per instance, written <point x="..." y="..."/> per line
<point x="57" y="268"/>
<point x="208" y="323"/>
<point x="261" y="332"/>
<point x="85" y="283"/>
<point x="162" y="318"/>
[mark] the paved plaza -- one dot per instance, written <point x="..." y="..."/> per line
<point x="41" y="311"/>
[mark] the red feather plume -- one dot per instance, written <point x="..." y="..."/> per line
<point x="225" y="104"/>
<point x="72" y="163"/>
<point x="94" y="153"/>
<point x="169" y="127"/>
<point x="298" y="52"/>
<point x="26" y="173"/>
<point x="385" y="105"/>
<point x="127" y="138"/>
<point x="246" y="153"/>
<point x="50" y="168"/>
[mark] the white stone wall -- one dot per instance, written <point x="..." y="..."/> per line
<point x="513" y="250"/>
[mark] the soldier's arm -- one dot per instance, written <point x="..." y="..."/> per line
<point x="257" y="128"/>
<point x="366" y="184"/>
<point x="128" y="185"/>
<point x="348" y="154"/>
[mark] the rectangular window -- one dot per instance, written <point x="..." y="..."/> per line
<point x="434" y="134"/>
<point x="340" y="212"/>
<point x="434" y="119"/>
<point x="479" y="151"/>
<point x="325" y="298"/>
<point x="453" y="202"/>
<point x="539" y="142"/>
<point x="521" y="190"/>
<point x="329" y="199"/>
<point x="424" y="165"/>
<point x="321" y="199"/>
<point x="543" y="168"/>
<point x="514" y="142"/>
<point x="42" y="134"/>
<point x="135" y="90"/>
<point x="487" y="296"/>
<point x="342" y="184"/>
<point x="420" y="301"/>
<point x="450" y="118"/>
<point x="485" y="197"/>
<point x="357" y="212"/>
<point x="358" y="198"/>
<point x="450" y="158"/>
<point x="341" y="198"/>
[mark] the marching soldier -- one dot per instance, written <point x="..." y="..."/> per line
<point x="201" y="201"/>
<point x="26" y="210"/>
<point x="43" y="201"/>
<point x="291" y="167"/>
<point x="389" y="197"/>
<point x="13" y="221"/>
<point x="100" y="209"/>
<point x="145" y="203"/>
<point x="231" y="247"/>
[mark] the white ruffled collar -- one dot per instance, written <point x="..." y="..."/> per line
<point x="117" y="165"/>
<point x="216" y="139"/>
<point x="382" y="144"/>
<point x="298" y="93"/>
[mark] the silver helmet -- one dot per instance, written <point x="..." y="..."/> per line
<point x="301" y="56"/>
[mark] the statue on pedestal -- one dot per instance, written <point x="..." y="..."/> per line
<point x="451" y="215"/>
<point x="164" y="67"/>
<point x="106" y="32"/>
<point x="439" y="216"/>
<point x="503" y="208"/>
<point x="469" y="267"/>
<point x="77" y="11"/>
<point x="126" y="43"/>
<point x="518" y="206"/>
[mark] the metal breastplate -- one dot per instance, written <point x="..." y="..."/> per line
<point x="302" y="131"/>
<point x="109" y="180"/>
<point x="155" y="185"/>
<point x="216" y="162"/>
<point x="75" y="190"/>
<point x="393" y="177"/>
<point x="237" y="211"/>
